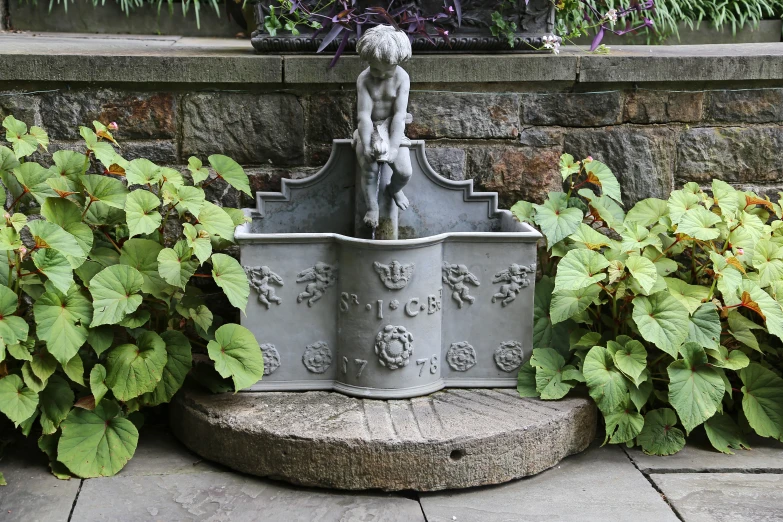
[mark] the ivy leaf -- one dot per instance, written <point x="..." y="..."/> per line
<point x="568" y="303"/>
<point x="556" y="219"/>
<point x="49" y="235"/>
<point x="742" y="329"/>
<point x="661" y="320"/>
<point x="601" y="175"/>
<point x="197" y="171"/>
<point x="56" y="401"/>
<point x="554" y="378"/>
<point x="724" y="434"/>
<point x="55" y="266"/>
<point x="175" y="265"/>
<point x="61" y="319"/>
<point x="762" y="400"/>
<point x="579" y="269"/>
<point x="97" y="443"/>
<point x="624" y="424"/>
<point x="526" y="381"/>
<point x="198" y="241"/>
<point x="704" y="326"/>
<point x="229" y="276"/>
<point x="606" y="384"/>
<point x="133" y="370"/>
<point x="699" y="223"/>
<point x="768" y="260"/>
<point x="108" y="191"/>
<point x="141" y="211"/>
<point x="647" y="212"/>
<point x="114" y="294"/>
<point x="237" y="355"/>
<point x="98" y="382"/>
<point x="690" y="296"/>
<point x="177" y="367"/>
<point x="695" y="387"/>
<point x="659" y="436"/>
<point x="230" y="171"/>
<point x="13" y="329"/>
<point x="142" y="172"/>
<point x="630" y="358"/>
<point x="568" y="166"/>
<point x="17" y="401"/>
<point x="643" y="270"/>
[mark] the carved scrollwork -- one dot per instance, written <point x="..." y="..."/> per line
<point x="271" y="358"/>
<point x="395" y="275"/>
<point x="515" y="278"/>
<point x="458" y="277"/>
<point x="394" y="347"/>
<point x="318" y="279"/>
<point x="261" y="278"/>
<point x="317" y="357"/>
<point x="461" y="356"/>
<point x="509" y="355"/>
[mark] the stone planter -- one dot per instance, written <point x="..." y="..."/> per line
<point x="533" y="20"/>
<point x="449" y="306"/>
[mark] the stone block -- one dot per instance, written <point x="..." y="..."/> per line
<point x="250" y="128"/>
<point x="733" y="154"/>
<point x="463" y="116"/>
<point x="515" y="172"/>
<point x="572" y="109"/>
<point x="330" y="116"/>
<point x="449" y="162"/>
<point x="138" y="114"/>
<point x="745" y="106"/>
<point x="641" y="158"/>
<point x="541" y="137"/>
<point x="649" y="106"/>
<point x="23" y="107"/>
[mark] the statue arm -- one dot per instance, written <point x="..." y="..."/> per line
<point x="364" y="114"/>
<point x="397" y="130"/>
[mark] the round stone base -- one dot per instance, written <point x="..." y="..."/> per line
<point x="455" y="438"/>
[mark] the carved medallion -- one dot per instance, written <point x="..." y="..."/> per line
<point x="394" y="347"/>
<point x="271" y="358"/>
<point x="508" y="356"/>
<point x="461" y="356"/>
<point x="261" y="278"/>
<point x="317" y="357"/>
<point x="318" y="279"/>
<point x="394" y="304"/>
<point x="458" y="277"/>
<point x="395" y="275"/>
<point x="515" y="279"/>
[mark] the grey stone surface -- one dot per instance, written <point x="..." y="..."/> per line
<point x="33" y="493"/>
<point x="646" y="106"/>
<point x="463" y="116"/>
<point x="451" y="439"/>
<point x="449" y="162"/>
<point x="589" y="109"/>
<point x="642" y="158"/>
<point x="766" y="456"/>
<point x="247" y="127"/>
<point x="723" y="497"/>
<point x="600" y="484"/>
<point x="541" y="136"/>
<point x="733" y="154"/>
<point x="159" y="453"/>
<point x="21" y="106"/>
<point x="163" y="152"/>
<point x="330" y="116"/>
<point x="745" y="106"/>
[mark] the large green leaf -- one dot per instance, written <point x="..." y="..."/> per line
<point x="556" y="220"/>
<point x="659" y="436"/>
<point x="237" y="355"/>
<point x="69" y="164"/>
<point x="31" y="380"/>
<point x="100" y="338"/>
<point x="762" y="400"/>
<point x="526" y="381"/>
<point x="589" y="237"/>
<point x="97" y="443"/>
<point x="108" y="191"/>
<point x="61" y="320"/>
<point x="734" y="360"/>
<point x="606" y="384"/>
<point x="98" y="382"/>
<point x="56" y="401"/>
<point x="725" y="197"/>
<point x="142" y="254"/>
<point x="74" y="369"/>
<point x="197" y="171"/>
<point x="579" y="269"/>
<point x="49" y="235"/>
<point x="742" y="329"/>
<point x="175" y="265"/>
<point x="568" y="166"/>
<point x="13" y="329"/>
<point x="17" y="401"/>
<point x="230" y="171"/>
<point x="55" y="266"/>
<point x="607" y="210"/>
<point x="624" y="424"/>
<point x="142" y="172"/>
<point x="554" y="378"/>
<point x="724" y="434"/>
<point x="230" y="276"/>
<point x="695" y="387"/>
<point x="647" y="212"/>
<point x="699" y="223"/>
<point x="773" y="315"/>
<point x="114" y="292"/>
<point x="636" y="238"/>
<point x="135" y="369"/>
<point x="643" y="270"/>
<point x="630" y="358"/>
<point x="215" y="221"/>
<point x="32" y="177"/>
<point x="661" y="320"/>
<point x="8" y="161"/>
<point x="768" y="260"/>
<point x="102" y="151"/>
<point x="43" y="364"/>
<point x="141" y="212"/>
<point x="198" y="241"/>
<point x="568" y="303"/>
<point x="186" y="198"/>
<point x="690" y="296"/>
<point x="599" y="174"/>
<point x="680" y="201"/>
<point x="704" y="328"/>
<point x="177" y="367"/>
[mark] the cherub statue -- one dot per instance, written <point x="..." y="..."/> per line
<point x="260" y="279"/>
<point x="382" y="91"/>
<point x="318" y="279"/>
<point x="456" y="276"/>
<point x="515" y="277"/>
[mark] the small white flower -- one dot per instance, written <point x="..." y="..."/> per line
<point x="551" y="42"/>
<point x="611" y="16"/>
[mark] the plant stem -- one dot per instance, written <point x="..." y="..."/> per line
<point x="111" y="240"/>
<point x="86" y="208"/>
<point x="13" y="205"/>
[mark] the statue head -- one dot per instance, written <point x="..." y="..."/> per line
<point x="384" y="48"/>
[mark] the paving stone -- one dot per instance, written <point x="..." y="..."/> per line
<point x="745" y="106"/>
<point x="723" y="497"/>
<point x="698" y="456"/>
<point x="647" y="106"/>
<point x="577" y="109"/>
<point x="33" y="494"/>
<point x="463" y="115"/>
<point x="598" y="485"/>
<point x="159" y="453"/>
<point x="216" y="496"/>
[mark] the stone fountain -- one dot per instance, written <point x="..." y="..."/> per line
<point x="380" y="279"/>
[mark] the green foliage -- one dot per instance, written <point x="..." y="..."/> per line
<point x="671" y="313"/>
<point x="100" y="314"/>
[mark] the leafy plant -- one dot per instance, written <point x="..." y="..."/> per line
<point x="501" y="27"/>
<point x="128" y="6"/>
<point x="670" y="313"/>
<point x="100" y="310"/>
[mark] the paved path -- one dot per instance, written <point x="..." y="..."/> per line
<point x="165" y="482"/>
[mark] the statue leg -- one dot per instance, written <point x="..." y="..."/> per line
<point x="369" y="178"/>
<point x="401" y="174"/>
